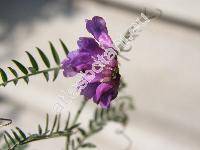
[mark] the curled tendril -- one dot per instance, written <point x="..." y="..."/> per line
<point x="5" y="122"/>
<point x="126" y="137"/>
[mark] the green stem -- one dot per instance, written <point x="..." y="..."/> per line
<point x="84" y="139"/>
<point x="31" y="74"/>
<point x="67" y="142"/>
<point x="79" y="112"/>
<point x="41" y="137"/>
<point x="75" y="120"/>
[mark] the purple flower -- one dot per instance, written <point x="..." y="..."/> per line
<point x="102" y="86"/>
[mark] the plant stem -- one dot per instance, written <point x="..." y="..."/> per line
<point x="75" y="120"/>
<point x="79" y="112"/>
<point x="31" y="74"/>
<point x="84" y="139"/>
<point x="42" y="137"/>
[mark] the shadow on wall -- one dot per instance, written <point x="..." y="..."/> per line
<point x="15" y="12"/>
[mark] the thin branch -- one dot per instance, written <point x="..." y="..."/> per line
<point x="79" y="112"/>
<point x="33" y="138"/>
<point x="31" y="74"/>
<point x="75" y="120"/>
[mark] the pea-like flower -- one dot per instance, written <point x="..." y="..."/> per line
<point x="96" y="59"/>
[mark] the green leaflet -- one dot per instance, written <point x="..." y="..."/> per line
<point x="34" y="69"/>
<point x="20" y="66"/>
<point x="33" y="61"/>
<point x="23" y="135"/>
<point x="3" y="75"/>
<point x="44" y="57"/>
<point x="46" y="75"/>
<point x="18" y="139"/>
<point x="39" y="129"/>
<point x="64" y="47"/>
<point x="88" y="145"/>
<point x="55" y="54"/>
<point x="14" y="73"/>
<point x="56" y="72"/>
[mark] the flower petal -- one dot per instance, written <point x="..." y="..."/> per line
<point x="105" y="102"/>
<point x="97" y="27"/>
<point x="68" y="70"/>
<point x="105" y="40"/>
<point x="76" y="62"/>
<point x="103" y="86"/>
<point x="89" y="45"/>
<point x="101" y="89"/>
<point x="90" y="90"/>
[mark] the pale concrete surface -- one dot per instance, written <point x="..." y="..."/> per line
<point x="184" y="9"/>
<point x="163" y="77"/>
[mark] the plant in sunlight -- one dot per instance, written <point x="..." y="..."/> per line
<point x="96" y="59"/>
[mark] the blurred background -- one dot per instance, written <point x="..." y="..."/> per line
<point x="163" y="72"/>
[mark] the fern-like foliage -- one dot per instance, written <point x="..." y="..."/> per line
<point x="76" y="135"/>
<point x="118" y="114"/>
<point x="34" y="68"/>
<point x="19" y="139"/>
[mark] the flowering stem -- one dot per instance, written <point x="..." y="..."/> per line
<point x="75" y="120"/>
<point x="79" y="111"/>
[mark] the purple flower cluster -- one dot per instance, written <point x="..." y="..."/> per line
<point x="103" y="87"/>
